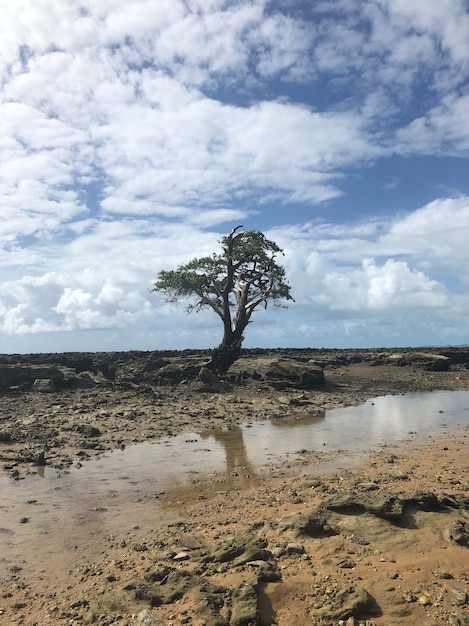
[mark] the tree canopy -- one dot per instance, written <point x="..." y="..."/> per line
<point x="233" y="283"/>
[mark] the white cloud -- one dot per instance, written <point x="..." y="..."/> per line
<point x="132" y="132"/>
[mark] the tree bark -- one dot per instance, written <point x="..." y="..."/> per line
<point x="225" y="355"/>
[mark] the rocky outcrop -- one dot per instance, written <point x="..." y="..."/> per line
<point x="280" y="373"/>
<point x="381" y="503"/>
<point x="300" y="524"/>
<point x="425" y="360"/>
<point x="46" y="378"/>
<point x="346" y="602"/>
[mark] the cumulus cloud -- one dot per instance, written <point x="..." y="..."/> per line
<point x="134" y="134"/>
<point x="101" y="279"/>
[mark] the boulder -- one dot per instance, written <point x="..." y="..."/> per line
<point x="210" y="381"/>
<point x="458" y="533"/>
<point x="245" y="605"/>
<point x="347" y="602"/>
<point x="146" y="618"/>
<point x="278" y="372"/>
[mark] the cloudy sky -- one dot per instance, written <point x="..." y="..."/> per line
<point x="135" y="134"/>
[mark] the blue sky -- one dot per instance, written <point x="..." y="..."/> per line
<point x="134" y="135"/>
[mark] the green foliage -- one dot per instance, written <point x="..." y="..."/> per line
<point x="233" y="282"/>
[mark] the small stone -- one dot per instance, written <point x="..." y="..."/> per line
<point x="43" y="385"/>
<point x="79" y="603"/>
<point x="146" y="618"/>
<point x="181" y="556"/>
<point x="423" y="600"/>
<point x="295" y="548"/>
<point x="459" y="594"/>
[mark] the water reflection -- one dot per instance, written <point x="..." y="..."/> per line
<point x="150" y="483"/>
<point x="236" y="457"/>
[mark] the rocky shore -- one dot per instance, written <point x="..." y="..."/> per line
<point x="384" y="543"/>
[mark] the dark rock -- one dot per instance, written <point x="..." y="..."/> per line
<point x="12" y="375"/>
<point x="455" y="501"/>
<point x="210" y="381"/>
<point x="5" y="436"/>
<point x="425" y="501"/>
<point x="458" y="532"/>
<point x="88" y="430"/>
<point x="157" y="575"/>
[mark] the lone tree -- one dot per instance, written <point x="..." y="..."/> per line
<point x="234" y="282"/>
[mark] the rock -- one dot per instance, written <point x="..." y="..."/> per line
<point x="87" y="380"/>
<point x="209" y="600"/>
<point x="280" y="373"/>
<point x="345" y="603"/>
<point x="459" y="594"/>
<point x="294" y="548"/>
<point x="267" y="571"/>
<point x="43" y="385"/>
<point x="244" y="611"/>
<point x="5" y="436"/>
<point x="458" y="532"/>
<point x="157" y="575"/>
<point x="88" y="430"/>
<point x="146" y="618"/>
<point x="90" y="617"/>
<point x="239" y="550"/>
<point x="14" y="375"/>
<point x="174" y="586"/>
<point x="379" y="503"/>
<point x="210" y="381"/>
<point x="180" y="369"/>
<point x="300" y="524"/>
<point x="425" y="360"/>
<point x="26" y="376"/>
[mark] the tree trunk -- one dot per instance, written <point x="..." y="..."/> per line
<point x="225" y="355"/>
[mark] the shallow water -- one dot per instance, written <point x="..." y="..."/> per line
<point x="148" y="484"/>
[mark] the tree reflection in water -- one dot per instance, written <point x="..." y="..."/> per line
<point x="240" y="472"/>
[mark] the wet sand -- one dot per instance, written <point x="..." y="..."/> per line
<point x="414" y="574"/>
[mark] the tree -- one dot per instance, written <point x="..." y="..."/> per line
<point x="233" y="283"/>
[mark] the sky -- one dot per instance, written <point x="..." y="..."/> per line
<point x="134" y="135"/>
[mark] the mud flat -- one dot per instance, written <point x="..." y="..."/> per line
<point x="383" y="540"/>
